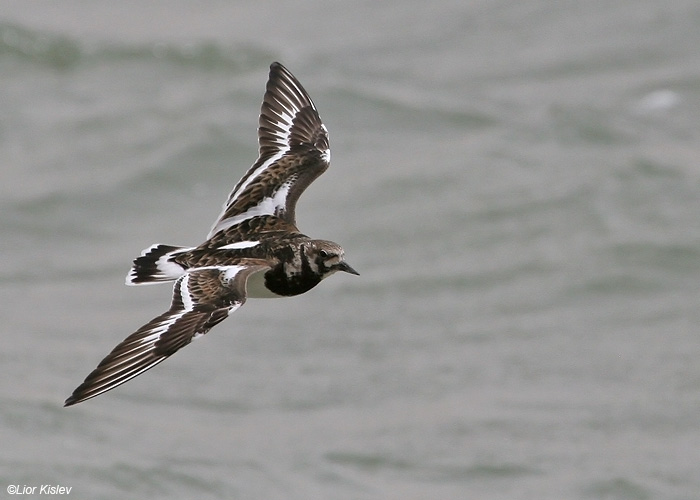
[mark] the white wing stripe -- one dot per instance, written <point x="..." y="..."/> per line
<point x="220" y="225"/>
<point x="257" y="172"/>
<point x="267" y="206"/>
<point x="239" y="245"/>
<point x="185" y="294"/>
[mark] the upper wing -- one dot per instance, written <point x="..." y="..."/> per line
<point x="294" y="150"/>
<point x="202" y="298"/>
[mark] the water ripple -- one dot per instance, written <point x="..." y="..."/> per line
<point x="64" y="52"/>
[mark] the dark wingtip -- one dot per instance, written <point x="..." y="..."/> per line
<point x="277" y="67"/>
<point x="78" y="396"/>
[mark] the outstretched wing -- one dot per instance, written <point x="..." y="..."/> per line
<point x="202" y="298"/>
<point x="294" y="150"/>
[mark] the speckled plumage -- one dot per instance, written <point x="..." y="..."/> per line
<point x="255" y="240"/>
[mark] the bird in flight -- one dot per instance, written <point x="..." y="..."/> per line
<point x="254" y="248"/>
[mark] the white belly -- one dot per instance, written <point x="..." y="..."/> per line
<point x="256" y="287"/>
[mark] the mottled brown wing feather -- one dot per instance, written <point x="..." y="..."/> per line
<point x="202" y="298"/>
<point x="294" y="150"/>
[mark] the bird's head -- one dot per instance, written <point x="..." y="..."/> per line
<point x="328" y="258"/>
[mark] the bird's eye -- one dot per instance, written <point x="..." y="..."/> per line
<point x="323" y="254"/>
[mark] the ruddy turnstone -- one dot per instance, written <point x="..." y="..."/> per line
<point x="254" y="248"/>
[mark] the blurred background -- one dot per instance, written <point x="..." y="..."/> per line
<point x="517" y="183"/>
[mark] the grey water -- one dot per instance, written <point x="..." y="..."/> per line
<point x="518" y="184"/>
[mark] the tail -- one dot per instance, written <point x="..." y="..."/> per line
<point x="155" y="265"/>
